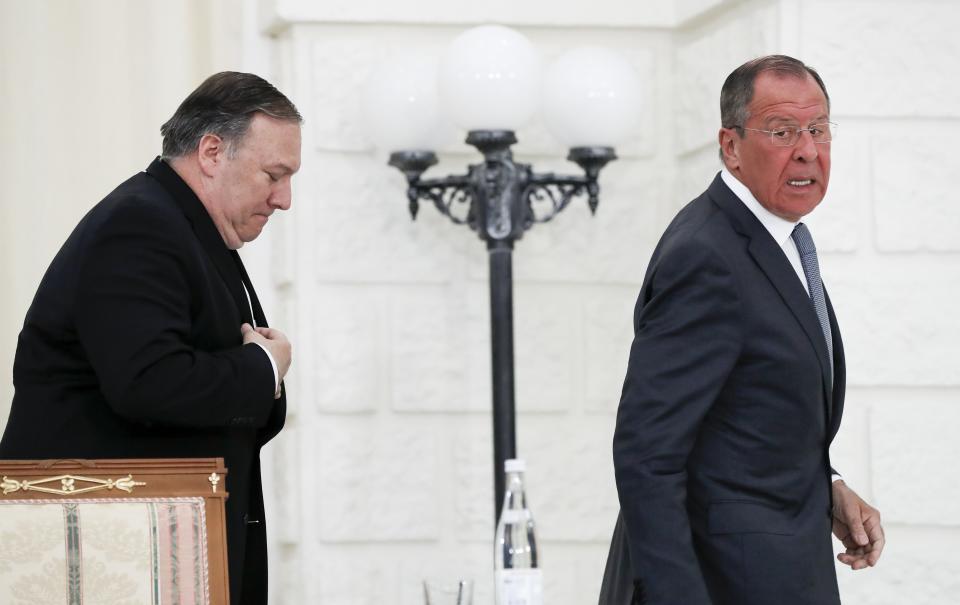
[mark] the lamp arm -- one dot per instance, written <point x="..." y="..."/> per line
<point x="445" y="194"/>
<point x="554" y="191"/>
<point x="549" y="178"/>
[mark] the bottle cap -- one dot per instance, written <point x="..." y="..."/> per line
<point x="514" y="465"/>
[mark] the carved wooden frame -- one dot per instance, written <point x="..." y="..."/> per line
<point x="140" y="479"/>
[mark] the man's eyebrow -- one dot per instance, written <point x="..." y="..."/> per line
<point x="789" y="120"/>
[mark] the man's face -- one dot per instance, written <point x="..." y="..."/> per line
<point x="247" y="188"/>
<point x="787" y="181"/>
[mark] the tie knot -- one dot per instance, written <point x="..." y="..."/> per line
<point x="801" y="236"/>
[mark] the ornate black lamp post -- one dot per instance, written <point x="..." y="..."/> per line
<point x="499" y="198"/>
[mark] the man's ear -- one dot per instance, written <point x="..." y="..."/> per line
<point x="730" y="148"/>
<point x="210" y="153"/>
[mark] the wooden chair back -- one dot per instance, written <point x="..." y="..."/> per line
<point x="113" y="531"/>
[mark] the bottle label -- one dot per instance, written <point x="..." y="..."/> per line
<point x="519" y="587"/>
<point x="512" y="515"/>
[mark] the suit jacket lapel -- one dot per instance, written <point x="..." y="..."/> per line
<point x="839" y="371"/>
<point x="774" y="264"/>
<point x="206" y="232"/>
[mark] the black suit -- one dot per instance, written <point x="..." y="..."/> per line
<point x="722" y="441"/>
<point x="132" y="348"/>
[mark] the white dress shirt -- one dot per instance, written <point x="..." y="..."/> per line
<point x="780" y="229"/>
<point x="273" y="363"/>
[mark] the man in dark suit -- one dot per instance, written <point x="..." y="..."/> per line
<point x="146" y="338"/>
<point x="735" y="382"/>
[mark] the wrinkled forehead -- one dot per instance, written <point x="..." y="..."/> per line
<point x="790" y="94"/>
<point x="274" y="141"/>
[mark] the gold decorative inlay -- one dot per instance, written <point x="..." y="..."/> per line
<point x="214" y="479"/>
<point x="68" y="485"/>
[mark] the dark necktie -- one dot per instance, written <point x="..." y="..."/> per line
<point x="811" y="268"/>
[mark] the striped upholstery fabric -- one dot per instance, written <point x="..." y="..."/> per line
<point x="132" y="551"/>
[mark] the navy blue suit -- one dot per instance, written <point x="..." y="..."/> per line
<point x="132" y="349"/>
<point x="728" y="409"/>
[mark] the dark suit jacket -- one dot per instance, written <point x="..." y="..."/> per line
<point x="721" y="448"/>
<point x="132" y="348"/>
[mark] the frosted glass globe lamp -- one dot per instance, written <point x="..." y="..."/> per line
<point x="490" y="79"/>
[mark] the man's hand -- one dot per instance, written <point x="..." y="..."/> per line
<point x="857" y="525"/>
<point x="274" y="341"/>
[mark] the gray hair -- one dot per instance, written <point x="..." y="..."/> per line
<point x="737" y="91"/>
<point x="223" y="105"/>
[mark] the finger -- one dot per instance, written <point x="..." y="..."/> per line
<point x="877" y="539"/>
<point x="849" y="543"/>
<point x="842" y="533"/>
<point x="245" y="328"/>
<point x="852" y="561"/>
<point x="875" y="550"/>
<point x="847" y="560"/>
<point x="268" y="333"/>
<point x="852" y="553"/>
<point x="873" y="528"/>
<point x="855" y="523"/>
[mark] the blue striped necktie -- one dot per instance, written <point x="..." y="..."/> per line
<point x="811" y="268"/>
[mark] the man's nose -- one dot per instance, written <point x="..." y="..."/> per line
<point x="805" y="149"/>
<point x="282" y="196"/>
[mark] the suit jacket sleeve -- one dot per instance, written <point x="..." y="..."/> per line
<point x="141" y="282"/>
<point x="687" y="340"/>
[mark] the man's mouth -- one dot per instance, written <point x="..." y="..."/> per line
<point x="800" y="182"/>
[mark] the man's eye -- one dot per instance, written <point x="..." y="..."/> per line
<point x="815" y="131"/>
<point x="782" y="133"/>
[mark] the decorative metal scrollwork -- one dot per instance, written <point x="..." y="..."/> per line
<point x="455" y="201"/>
<point x="553" y="197"/>
<point x="501" y="198"/>
<point x="68" y="485"/>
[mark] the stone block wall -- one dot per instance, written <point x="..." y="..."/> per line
<point x="391" y="418"/>
<point x="894" y="268"/>
<point x="391" y="421"/>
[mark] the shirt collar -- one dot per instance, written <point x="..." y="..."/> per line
<point x="779" y="228"/>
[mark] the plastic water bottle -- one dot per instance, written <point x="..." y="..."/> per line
<point x="516" y="561"/>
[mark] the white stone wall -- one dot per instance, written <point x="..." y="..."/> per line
<point x="895" y="268"/>
<point x="392" y="373"/>
<point x="392" y="378"/>
<point x="383" y="475"/>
